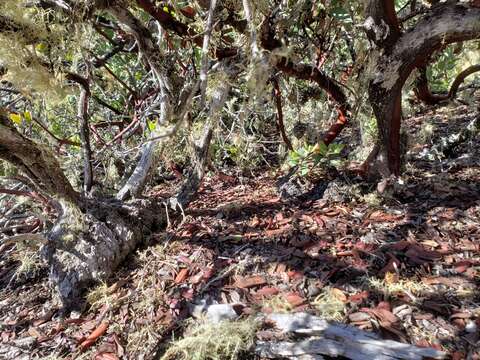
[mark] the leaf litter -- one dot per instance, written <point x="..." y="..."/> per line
<point x="406" y="267"/>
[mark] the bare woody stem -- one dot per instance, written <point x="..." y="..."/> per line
<point x="82" y="114"/>
<point x="422" y="89"/>
<point x="278" y="102"/>
<point x="444" y="24"/>
<point x="311" y="73"/>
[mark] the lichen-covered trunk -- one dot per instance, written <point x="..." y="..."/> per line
<point x="86" y="247"/>
<point x="91" y="237"/>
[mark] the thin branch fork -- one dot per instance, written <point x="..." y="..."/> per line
<point x="383" y="13"/>
<point x="43" y="173"/>
<point x="445" y="23"/>
<point x="166" y="19"/>
<point x="55" y="137"/>
<point x="170" y="23"/>
<point x="333" y="89"/>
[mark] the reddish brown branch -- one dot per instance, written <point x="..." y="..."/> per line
<point x="168" y="22"/>
<point x="391" y="16"/>
<point x="422" y="90"/>
<point x="460" y="78"/>
<point x="31" y="194"/>
<point x="333" y="89"/>
<point x="310" y="73"/>
<point x="60" y="141"/>
<point x="164" y="18"/>
<point x="280" y="123"/>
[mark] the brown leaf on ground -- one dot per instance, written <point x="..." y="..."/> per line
<point x="359" y="317"/>
<point x="98" y="332"/>
<point x="380" y="216"/>
<point x="359" y="298"/>
<point x="266" y="292"/>
<point x="294" y="299"/>
<point x="249" y="282"/>
<point x="419" y="255"/>
<point x="181" y="276"/>
<point x="452" y="282"/>
<point x="106" y="356"/>
<point x="392" y="266"/>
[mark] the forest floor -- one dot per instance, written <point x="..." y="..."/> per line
<point x="406" y="265"/>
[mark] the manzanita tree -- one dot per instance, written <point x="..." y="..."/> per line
<point x="398" y="52"/>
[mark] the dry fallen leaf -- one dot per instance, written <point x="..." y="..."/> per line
<point x="249" y="282"/>
<point x="267" y="292"/>
<point x="98" y="332"/>
<point x="294" y="299"/>
<point x="181" y="276"/>
<point x="106" y="356"/>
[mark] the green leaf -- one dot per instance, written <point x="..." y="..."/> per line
<point x="340" y="14"/>
<point x="27" y="116"/>
<point x="16" y="118"/>
<point x="293" y="155"/>
<point x="335" y="148"/>
<point x="301" y="153"/>
<point x="152" y="124"/>
<point x="323" y="149"/>
<point x="41" y="48"/>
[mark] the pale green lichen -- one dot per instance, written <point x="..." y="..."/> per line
<point x="24" y="53"/>
<point x="226" y="340"/>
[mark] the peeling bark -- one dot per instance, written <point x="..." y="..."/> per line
<point x="86" y="248"/>
<point x="151" y="54"/>
<point x="316" y="336"/>
<point x="137" y="181"/>
<point x="382" y="25"/>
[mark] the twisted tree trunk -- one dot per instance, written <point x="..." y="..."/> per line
<point x="399" y="55"/>
<point x="91" y="237"/>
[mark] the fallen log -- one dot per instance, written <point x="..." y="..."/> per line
<point x="319" y="337"/>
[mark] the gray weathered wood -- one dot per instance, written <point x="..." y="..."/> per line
<point x="334" y="339"/>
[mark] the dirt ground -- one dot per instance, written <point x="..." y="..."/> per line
<point x="405" y="265"/>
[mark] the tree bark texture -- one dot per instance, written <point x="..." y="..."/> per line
<point x="443" y="25"/>
<point x="36" y="162"/>
<point x="84" y="248"/>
